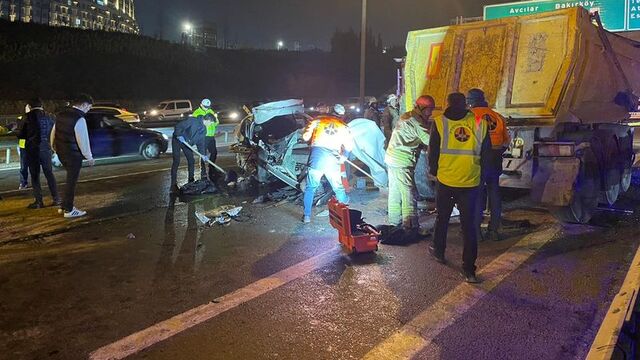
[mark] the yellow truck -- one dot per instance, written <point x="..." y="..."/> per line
<point x="566" y="87"/>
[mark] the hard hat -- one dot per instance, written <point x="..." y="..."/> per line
<point x="425" y="101"/>
<point x="392" y="99"/>
<point x="339" y="109"/>
<point x="206" y="103"/>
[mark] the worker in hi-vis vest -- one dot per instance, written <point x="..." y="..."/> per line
<point x="492" y="163"/>
<point x="456" y="147"/>
<point x="211" y="123"/>
<point x="407" y="139"/>
<point x="331" y="143"/>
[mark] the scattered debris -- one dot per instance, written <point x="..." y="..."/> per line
<point x="324" y="213"/>
<point x="131" y="236"/>
<point x="220" y="215"/>
<point x="198" y="187"/>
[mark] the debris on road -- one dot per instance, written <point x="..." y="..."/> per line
<point x="198" y="187"/>
<point x="131" y="236"/>
<point x="220" y="215"/>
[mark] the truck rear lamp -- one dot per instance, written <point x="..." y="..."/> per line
<point x="556" y="149"/>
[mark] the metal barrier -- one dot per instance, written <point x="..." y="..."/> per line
<point x="618" y="336"/>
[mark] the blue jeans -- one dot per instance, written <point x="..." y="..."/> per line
<point x="323" y="162"/>
<point x="24" y="168"/>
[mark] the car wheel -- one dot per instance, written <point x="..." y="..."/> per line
<point x="151" y="150"/>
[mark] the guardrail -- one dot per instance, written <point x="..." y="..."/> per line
<point x="619" y="333"/>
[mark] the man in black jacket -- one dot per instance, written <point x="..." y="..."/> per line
<point x="36" y="131"/>
<point x="189" y="131"/>
<point x="70" y="140"/>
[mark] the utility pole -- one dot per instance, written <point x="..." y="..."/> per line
<point x="363" y="52"/>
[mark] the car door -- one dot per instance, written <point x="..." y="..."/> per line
<point x="100" y="137"/>
<point x="126" y="139"/>
<point x="170" y="110"/>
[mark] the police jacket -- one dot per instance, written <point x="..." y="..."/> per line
<point x="193" y="131"/>
<point x="36" y="130"/>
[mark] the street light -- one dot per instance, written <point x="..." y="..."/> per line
<point x="280" y="44"/>
<point x="187" y="27"/>
<point x="363" y="50"/>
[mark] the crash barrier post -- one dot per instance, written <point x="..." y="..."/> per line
<point x="618" y="336"/>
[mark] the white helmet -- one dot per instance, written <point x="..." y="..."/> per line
<point x="392" y="99"/>
<point x="206" y="103"/>
<point x="339" y="109"/>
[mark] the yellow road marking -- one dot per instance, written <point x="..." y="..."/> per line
<point x="418" y="333"/>
<point x="141" y="340"/>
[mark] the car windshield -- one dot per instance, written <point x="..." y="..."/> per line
<point x="161" y="106"/>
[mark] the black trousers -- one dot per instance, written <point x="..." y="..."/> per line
<point x="24" y="167"/>
<point x="42" y="159"/>
<point x="467" y="199"/>
<point x="490" y="187"/>
<point x="212" y="150"/>
<point x="72" y="163"/>
<point x="178" y="147"/>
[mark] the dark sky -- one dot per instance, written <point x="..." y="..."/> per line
<point x="260" y="23"/>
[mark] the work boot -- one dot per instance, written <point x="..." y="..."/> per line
<point x="439" y="258"/>
<point x="36" y="205"/>
<point x="470" y="277"/>
<point x="306" y="219"/>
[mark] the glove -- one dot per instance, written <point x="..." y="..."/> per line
<point x="182" y="139"/>
<point x="205" y="158"/>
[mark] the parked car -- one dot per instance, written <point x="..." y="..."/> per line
<point x="111" y="137"/>
<point x="116" y="110"/>
<point x="169" y="110"/>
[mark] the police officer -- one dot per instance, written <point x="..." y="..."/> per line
<point x="456" y="147"/>
<point x="36" y="131"/>
<point x="211" y="123"/>
<point x="331" y="144"/>
<point x="406" y="140"/>
<point x="492" y="162"/>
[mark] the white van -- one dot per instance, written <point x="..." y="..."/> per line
<point x="169" y="110"/>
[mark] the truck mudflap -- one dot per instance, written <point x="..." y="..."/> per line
<point x="553" y="182"/>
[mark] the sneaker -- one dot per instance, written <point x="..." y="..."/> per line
<point x="74" y="213"/>
<point x="306" y="219"/>
<point x="439" y="258"/>
<point x="56" y="202"/>
<point x="470" y="278"/>
<point x="35" y="205"/>
<point x="23" y="187"/>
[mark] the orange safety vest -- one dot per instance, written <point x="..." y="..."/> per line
<point x="497" y="129"/>
<point x="328" y="132"/>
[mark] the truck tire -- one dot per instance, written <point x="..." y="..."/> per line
<point x="611" y="164"/>
<point x="584" y="200"/>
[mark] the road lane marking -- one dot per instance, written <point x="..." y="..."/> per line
<point x="418" y="333"/>
<point x="620" y="311"/>
<point x="159" y="332"/>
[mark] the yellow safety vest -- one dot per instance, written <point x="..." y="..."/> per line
<point x="460" y="147"/>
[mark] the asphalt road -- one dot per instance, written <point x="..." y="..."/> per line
<point x="141" y="277"/>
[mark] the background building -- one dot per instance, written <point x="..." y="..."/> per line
<point x="201" y="36"/>
<point x="107" y="15"/>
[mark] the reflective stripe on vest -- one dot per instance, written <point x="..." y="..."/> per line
<point x="460" y="148"/>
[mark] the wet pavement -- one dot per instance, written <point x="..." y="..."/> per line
<point x="75" y="289"/>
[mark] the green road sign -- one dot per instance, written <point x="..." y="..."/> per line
<point x="616" y="15"/>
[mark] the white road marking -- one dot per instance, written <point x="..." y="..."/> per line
<point x="143" y="339"/>
<point x="418" y="333"/>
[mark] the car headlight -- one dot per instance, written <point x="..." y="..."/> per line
<point x="153" y="112"/>
<point x="165" y="137"/>
<point x="312" y="109"/>
<point x="233" y="115"/>
<point x="352" y="107"/>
